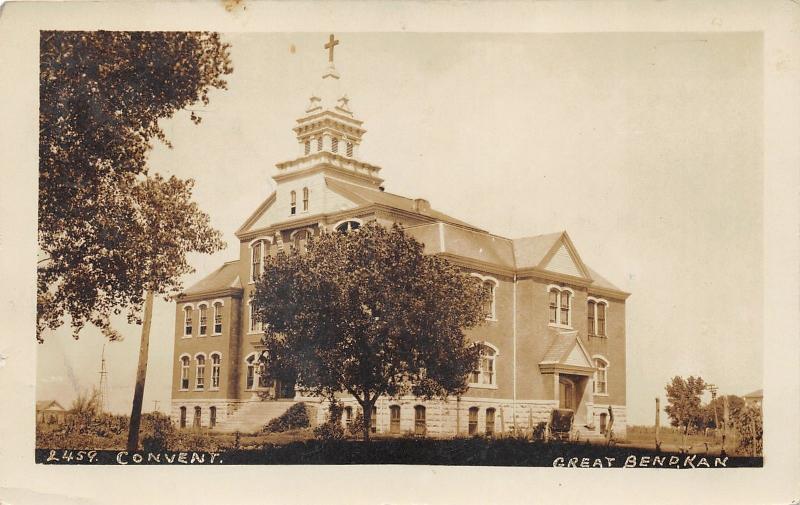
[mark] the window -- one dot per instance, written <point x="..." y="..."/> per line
<point x="212" y="416"/>
<point x="305" y="199"/>
<point x="560" y="304"/>
<point x="300" y="239"/>
<point x="187" y="321"/>
<point x="373" y="421"/>
<point x="603" y="423"/>
<point x="348" y="226"/>
<point x="200" y="377"/>
<point x="601" y="319"/>
<point x="348" y="417"/>
<point x="394" y="419"/>
<point x="255" y="253"/>
<point x="251" y="371"/>
<point x="485" y="375"/>
<point x="473" y="420"/>
<point x="596" y="315"/>
<point x="334" y="145"/>
<point x="197" y="414"/>
<point x="307" y="147"/>
<point x="293" y="204"/>
<point x="217" y="318"/>
<point x="349" y="149"/>
<point x="319" y="143"/>
<point x="490" y="422"/>
<point x="255" y="324"/>
<point x="216" y="365"/>
<point x="203" y="320"/>
<point x="601" y="376"/>
<point x="419" y="420"/>
<point x="183" y="417"/>
<point x="184" y="372"/>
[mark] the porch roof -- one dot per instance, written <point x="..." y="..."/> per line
<point x="566" y="354"/>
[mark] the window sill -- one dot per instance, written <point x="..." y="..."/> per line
<point x="592" y="335"/>
<point x="560" y="326"/>
<point x="213" y="389"/>
<point x="492" y="319"/>
<point x="186" y="336"/>
<point x="216" y="334"/>
<point x="199" y="390"/>
<point x="259" y="332"/>
<point x="483" y="386"/>
<point x="182" y="389"/>
<point x="201" y="335"/>
<point x="600" y="394"/>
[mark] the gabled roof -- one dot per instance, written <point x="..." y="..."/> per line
<point x="257" y="213"/>
<point x="531" y="251"/>
<point x="566" y="354"/>
<point x="48" y="405"/>
<point x="365" y="195"/>
<point x="225" y="277"/>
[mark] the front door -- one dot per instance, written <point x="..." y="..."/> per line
<point x="566" y="394"/>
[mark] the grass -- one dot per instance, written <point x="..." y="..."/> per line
<point x="672" y="440"/>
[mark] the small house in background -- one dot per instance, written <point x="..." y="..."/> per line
<point x="754" y="399"/>
<point x="50" y="412"/>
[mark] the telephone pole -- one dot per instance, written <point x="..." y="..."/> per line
<point x="103" y="387"/>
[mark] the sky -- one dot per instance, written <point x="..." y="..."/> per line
<point x="645" y="147"/>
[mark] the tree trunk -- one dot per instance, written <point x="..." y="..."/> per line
<point x="367" y="406"/>
<point x="141" y="375"/>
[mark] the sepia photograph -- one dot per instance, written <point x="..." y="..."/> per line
<point x="331" y="248"/>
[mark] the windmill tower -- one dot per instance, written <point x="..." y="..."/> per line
<point x="103" y="388"/>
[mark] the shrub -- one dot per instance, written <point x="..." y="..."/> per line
<point x="157" y="432"/>
<point x="331" y="429"/>
<point x="356" y="428"/>
<point x="539" y="431"/>
<point x="295" y="417"/>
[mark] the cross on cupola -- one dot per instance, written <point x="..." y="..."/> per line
<point x="332" y="43"/>
<point x="328" y="133"/>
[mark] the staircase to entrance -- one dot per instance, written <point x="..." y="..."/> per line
<point x="253" y="415"/>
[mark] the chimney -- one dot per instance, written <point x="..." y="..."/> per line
<point x="421" y="205"/>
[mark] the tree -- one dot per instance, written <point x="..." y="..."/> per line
<point x="112" y="236"/>
<point x="101" y="95"/>
<point x="367" y="313"/>
<point x="749" y="425"/>
<point x="735" y="405"/>
<point x="683" y="401"/>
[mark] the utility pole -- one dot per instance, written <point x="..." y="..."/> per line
<point x="714" y="389"/>
<point x="658" y="424"/>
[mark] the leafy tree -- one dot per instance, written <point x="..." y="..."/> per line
<point x="749" y="425"/>
<point x="87" y="403"/>
<point x="101" y="95"/>
<point x="735" y="405"/>
<point x="369" y="314"/>
<point x="683" y="398"/>
<point x="112" y="236"/>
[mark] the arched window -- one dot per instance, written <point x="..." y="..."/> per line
<point x="560" y="306"/>
<point x="419" y="420"/>
<point x="187" y="321"/>
<point x="486" y="373"/>
<point x="348" y="416"/>
<point x="293" y="204"/>
<point x="305" y="199"/>
<point x="334" y="145"/>
<point x="319" y="143"/>
<point x="183" y="417"/>
<point x="348" y="226"/>
<point x="473" y="420"/>
<point x="300" y="239"/>
<point x="307" y="147"/>
<point x="490" y="421"/>
<point x="489" y="286"/>
<point x="394" y="419"/>
<point x="596" y="314"/>
<point x="255" y="260"/>
<point x="255" y="324"/>
<point x="216" y="365"/>
<point x="184" y="372"/>
<point x="212" y="416"/>
<point x="601" y="376"/>
<point x="197" y="414"/>
<point x="200" y="377"/>
<point x="251" y="363"/>
<point x="217" y="318"/>
<point x="349" y="149"/>
<point x="601" y="319"/>
<point x="203" y="320"/>
<point x="373" y="420"/>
